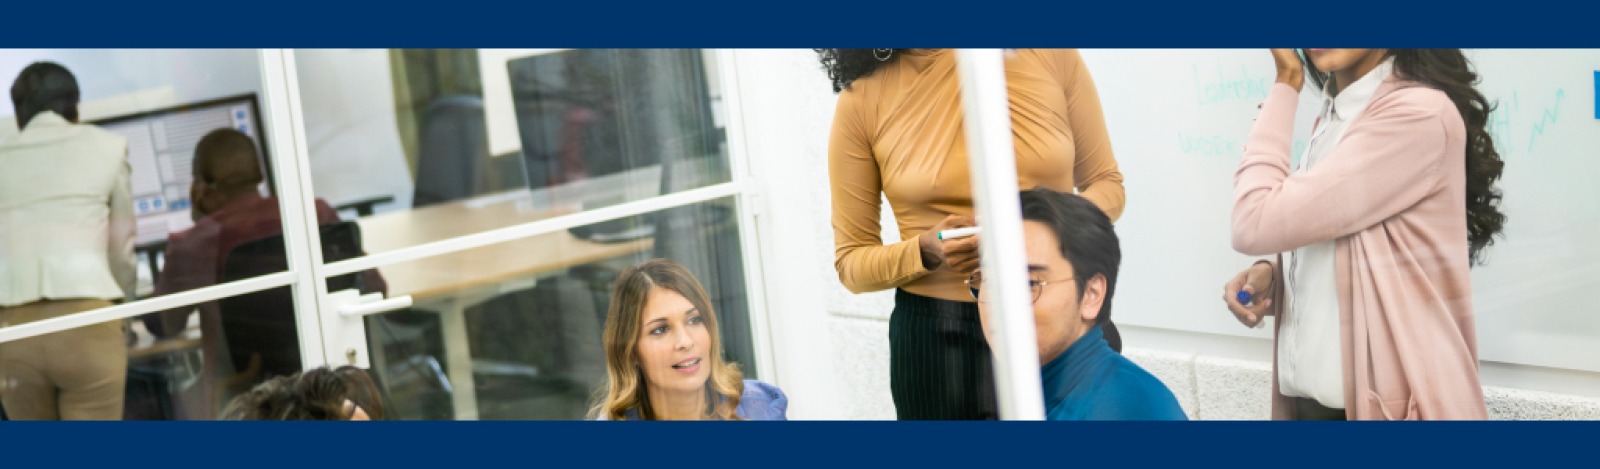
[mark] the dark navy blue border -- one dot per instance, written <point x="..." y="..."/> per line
<point x="1065" y="23"/>
<point x="787" y="23"/>
<point x="1022" y="445"/>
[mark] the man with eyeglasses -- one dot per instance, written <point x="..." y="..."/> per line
<point x="1073" y="255"/>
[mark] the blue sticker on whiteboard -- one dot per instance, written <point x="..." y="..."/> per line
<point x="1597" y="94"/>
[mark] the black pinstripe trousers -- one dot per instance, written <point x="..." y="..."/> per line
<point x="939" y="363"/>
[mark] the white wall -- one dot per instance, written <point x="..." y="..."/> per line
<point x="162" y="77"/>
<point x="347" y="98"/>
<point x="831" y="346"/>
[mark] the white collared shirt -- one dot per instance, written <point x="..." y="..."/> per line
<point x="1310" y="358"/>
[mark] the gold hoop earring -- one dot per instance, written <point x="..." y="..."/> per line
<point x="883" y="55"/>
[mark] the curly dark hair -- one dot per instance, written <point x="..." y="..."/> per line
<point x="315" y="394"/>
<point x="1449" y="71"/>
<point x="844" y="66"/>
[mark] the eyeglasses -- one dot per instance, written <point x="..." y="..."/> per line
<point x="975" y="281"/>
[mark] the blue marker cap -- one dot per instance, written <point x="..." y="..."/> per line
<point x="1244" y="297"/>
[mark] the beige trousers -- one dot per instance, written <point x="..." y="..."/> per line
<point x="76" y="374"/>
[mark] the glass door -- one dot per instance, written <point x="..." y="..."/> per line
<point x="501" y="192"/>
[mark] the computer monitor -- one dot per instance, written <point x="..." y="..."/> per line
<point x="161" y="153"/>
<point x="587" y="113"/>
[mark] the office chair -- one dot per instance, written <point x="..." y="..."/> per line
<point x="152" y="382"/>
<point x="264" y="322"/>
<point x="414" y="380"/>
<point x="454" y="150"/>
<point x="536" y="353"/>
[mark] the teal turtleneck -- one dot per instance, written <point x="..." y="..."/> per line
<point x="1089" y="381"/>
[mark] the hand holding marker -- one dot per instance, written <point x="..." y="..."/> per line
<point x="958" y="233"/>
<point x="1244" y="296"/>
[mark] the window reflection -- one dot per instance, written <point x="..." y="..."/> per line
<point x="549" y="132"/>
<point x="151" y="165"/>
<point x="513" y="330"/>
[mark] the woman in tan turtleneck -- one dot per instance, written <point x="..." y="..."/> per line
<point x="898" y="133"/>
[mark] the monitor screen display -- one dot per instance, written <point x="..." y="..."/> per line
<point x="161" y="153"/>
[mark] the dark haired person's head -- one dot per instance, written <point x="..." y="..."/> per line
<point x="844" y="66"/>
<point x="44" y="86"/>
<point x="346" y="393"/>
<point x="1449" y="71"/>
<point x="226" y="165"/>
<point x="1073" y="255"/>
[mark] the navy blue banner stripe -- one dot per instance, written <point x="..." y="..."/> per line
<point x="723" y="23"/>
<point x="801" y="444"/>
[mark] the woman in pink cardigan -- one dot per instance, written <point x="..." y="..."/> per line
<point x="1374" y="229"/>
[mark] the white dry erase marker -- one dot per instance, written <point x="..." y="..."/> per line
<point x="958" y="233"/>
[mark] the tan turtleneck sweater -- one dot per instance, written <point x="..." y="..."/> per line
<point x="898" y="132"/>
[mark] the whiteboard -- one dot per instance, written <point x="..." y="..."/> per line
<point x="1179" y="119"/>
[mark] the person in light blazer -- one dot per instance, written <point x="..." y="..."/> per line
<point x="66" y="246"/>
<point x="1372" y="235"/>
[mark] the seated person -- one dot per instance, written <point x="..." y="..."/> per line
<point x="229" y="211"/>
<point x="346" y="393"/>
<point x="1073" y="255"/>
<point x="664" y="355"/>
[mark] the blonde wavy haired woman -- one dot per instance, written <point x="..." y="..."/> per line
<point x="664" y="358"/>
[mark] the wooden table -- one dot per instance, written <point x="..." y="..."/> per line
<point x="487" y="265"/>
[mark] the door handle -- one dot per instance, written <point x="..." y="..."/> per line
<point x="370" y="305"/>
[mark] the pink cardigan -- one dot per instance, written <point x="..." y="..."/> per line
<point x="1392" y="196"/>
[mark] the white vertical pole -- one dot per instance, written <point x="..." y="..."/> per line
<point x="994" y="183"/>
<point x="296" y="202"/>
<point x="750" y="209"/>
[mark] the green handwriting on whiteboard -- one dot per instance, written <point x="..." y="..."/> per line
<point x="1220" y="146"/>
<point x="1223" y="87"/>
<point x="1546" y="117"/>
<point x="1499" y="123"/>
<point x="1210" y="145"/>
<point x="1508" y="123"/>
